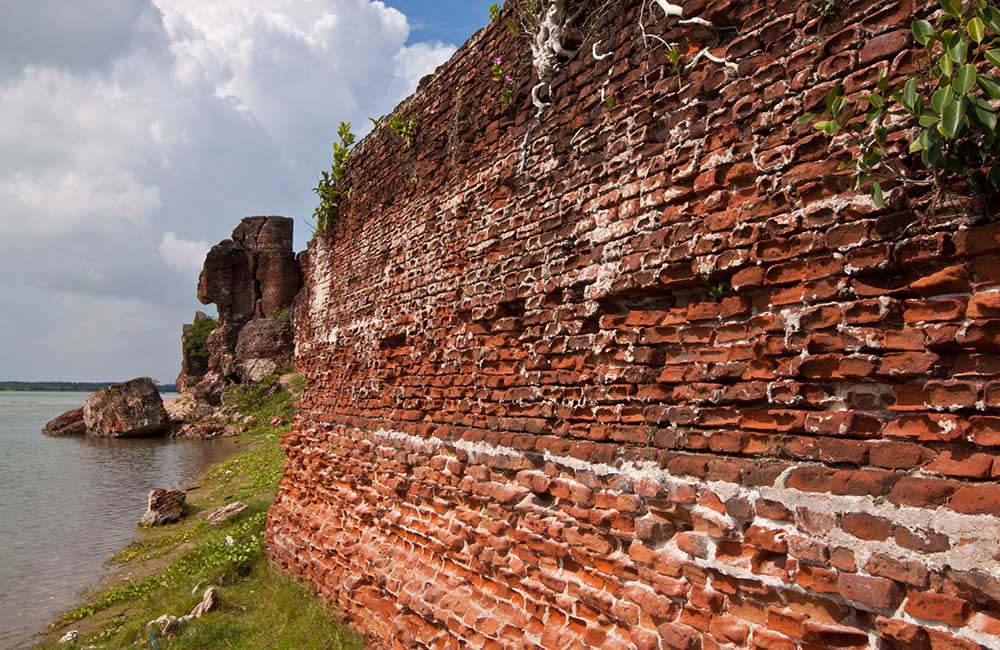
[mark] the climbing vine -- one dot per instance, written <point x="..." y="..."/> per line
<point x="944" y="112"/>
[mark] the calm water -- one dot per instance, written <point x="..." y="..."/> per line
<point x="67" y="504"/>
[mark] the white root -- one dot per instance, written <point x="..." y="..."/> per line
<point x="597" y="56"/>
<point x="555" y="20"/>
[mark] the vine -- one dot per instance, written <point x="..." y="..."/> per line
<point x="944" y="112"/>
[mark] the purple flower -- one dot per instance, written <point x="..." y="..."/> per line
<point x="498" y="61"/>
<point x="508" y="79"/>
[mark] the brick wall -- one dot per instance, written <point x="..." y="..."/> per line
<point x="647" y="373"/>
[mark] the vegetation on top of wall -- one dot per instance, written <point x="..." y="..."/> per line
<point x="196" y="339"/>
<point x="330" y="188"/>
<point x="943" y="112"/>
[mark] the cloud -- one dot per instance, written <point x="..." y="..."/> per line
<point x="130" y="121"/>
<point x="183" y="255"/>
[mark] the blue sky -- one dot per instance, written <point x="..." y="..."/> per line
<point x="450" y="21"/>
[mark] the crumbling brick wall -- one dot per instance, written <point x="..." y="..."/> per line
<point x="647" y="373"/>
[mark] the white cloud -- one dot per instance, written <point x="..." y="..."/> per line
<point x="126" y="122"/>
<point x="183" y="255"/>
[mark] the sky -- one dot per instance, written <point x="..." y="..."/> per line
<point x="134" y="134"/>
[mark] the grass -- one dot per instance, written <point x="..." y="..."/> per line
<point x="167" y="568"/>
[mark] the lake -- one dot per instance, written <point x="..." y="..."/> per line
<point x="67" y="504"/>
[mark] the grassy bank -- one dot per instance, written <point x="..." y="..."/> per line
<point x="166" y="570"/>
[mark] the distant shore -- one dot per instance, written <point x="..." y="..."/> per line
<point x="68" y="386"/>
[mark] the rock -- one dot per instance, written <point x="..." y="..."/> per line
<point x="70" y="637"/>
<point x="187" y="409"/>
<point x="204" y="430"/>
<point x="226" y="513"/>
<point x="252" y="278"/>
<point x="264" y="345"/>
<point x="69" y="423"/>
<point x="165" y="506"/>
<point x="127" y="410"/>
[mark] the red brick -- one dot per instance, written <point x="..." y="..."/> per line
<point x="927" y="428"/>
<point x="910" y="572"/>
<point x="984" y="305"/>
<point x="977" y="500"/>
<point x="937" y="607"/>
<point x="867" y="526"/>
<point x="952" y="279"/>
<point x="875" y="592"/>
<point x="679" y="637"/>
<point x="962" y="463"/>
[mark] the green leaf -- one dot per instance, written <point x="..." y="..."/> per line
<point x="807" y="118"/>
<point x="991" y="16"/>
<point x="941" y="97"/>
<point x="923" y="31"/>
<point x="883" y="80"/>
<point x="946" y="65"/>
<point x="953" y="8"/>
<point x="965" y="79"/>
<point x="957" y="48"/>
<point x="838" y="105"/>
<point x="916" y="146"/>
<point x="909" y="98"/>
<point x="952" y="118"/>
<point x="927" y="118"/>
<point x="828" y="127"/>
<point x="993" y="56"/>
<point x="984" y="113"/>
<point x="831" y="97"/>
<point x="877" y="194"/>
<point x="990" y="84"/>
<point x="977" y="29"/>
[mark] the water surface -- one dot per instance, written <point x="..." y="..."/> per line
<point x="67" y="504"/>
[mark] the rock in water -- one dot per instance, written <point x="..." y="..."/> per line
<point x="128" y="410"/>
<point x="69" y="423"/>
<point x="165" y="506"/>
<point x="226" y="513"/>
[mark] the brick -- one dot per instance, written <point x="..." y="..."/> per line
<point x="977" y="500"/>
<point x="951" y="279"/>
<point x="878" y="593"/>
<point x="927" y="428"/>
<point x="681" y="637"/>
<point x="937" y="607"/>
<point x="866" y="526"/>
<point x="984" y="305"/>
<point x="910" y="572"/>
<point x="966" y="464"/>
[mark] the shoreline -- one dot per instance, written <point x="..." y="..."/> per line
<point x="161" y="571"/>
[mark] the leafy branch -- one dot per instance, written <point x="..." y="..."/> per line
<point x="330" y="187"/>
<point x="944" y="110"/>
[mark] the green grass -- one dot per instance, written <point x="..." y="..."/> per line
<point x="168" y="568"/>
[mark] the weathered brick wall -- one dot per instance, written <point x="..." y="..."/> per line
<point x="529" y="423"/>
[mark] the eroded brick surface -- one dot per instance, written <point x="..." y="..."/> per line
<point x="530" y="423"/>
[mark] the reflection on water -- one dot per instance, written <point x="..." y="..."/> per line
<point x="67" y="504"/>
